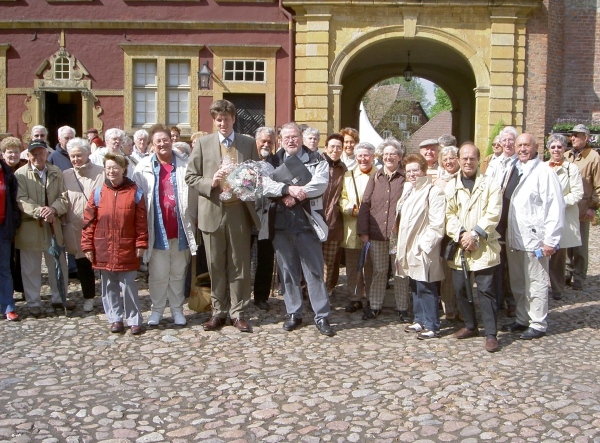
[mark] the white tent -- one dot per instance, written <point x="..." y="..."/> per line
<point x="366" y="130"/>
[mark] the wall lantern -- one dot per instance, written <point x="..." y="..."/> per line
<point x="408" y="72"/>
<point x="204" y="75"/>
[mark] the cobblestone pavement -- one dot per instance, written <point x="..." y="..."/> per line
<point x="71" y="380"/>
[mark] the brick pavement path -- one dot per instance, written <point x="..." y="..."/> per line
<point x="70" y="380"/>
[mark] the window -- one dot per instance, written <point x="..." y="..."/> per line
<point x="415" y="120"/>
<point x="244" y="70"/>
<point x="395" y="118"/>
<point x="61" y="68"/>
<point x="178" y="92"/>
<point x="144" y="92"/>
<point x="405" y="135"/>
<point x="402" y="119"/>
<point x="386" y="134"/>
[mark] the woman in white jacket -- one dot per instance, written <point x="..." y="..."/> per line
<point x="421" y="211"/>
<point x="172" y="209"/>
<point x="572" y="188"/>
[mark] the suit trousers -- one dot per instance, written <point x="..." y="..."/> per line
<point x="557" y="270"/>
<point x="263" y="278"/>
<point x="380" y="254"/>
<point x="503" y="288"/>
<point x="447" y="291"/>
<point x="31" y="272"/>
<point x="166" y="277"/>
<point x="529" y="281"/>
<point x="488" y="302"/>
<point x="296" y="252"/>
<point x="357" y="286"/>
<point x="578" y="256"/>
<point x="113" y="283"/>
<point x="229" y="263"/>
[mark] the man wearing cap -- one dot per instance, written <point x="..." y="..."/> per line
<point x="430" y="149"/>
<point x="42" y="199"/>
<point x="588" y="162"/>
<point x="60" y="156"/>
<point x="95" y="141"/>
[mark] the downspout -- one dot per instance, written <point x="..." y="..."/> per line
<point x="291" y="53"/>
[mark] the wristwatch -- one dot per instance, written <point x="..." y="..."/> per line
<point x="475" y="235"/>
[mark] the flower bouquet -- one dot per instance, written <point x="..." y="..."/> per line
<point x="246" y="180"/>
<point x="229" y="166"/>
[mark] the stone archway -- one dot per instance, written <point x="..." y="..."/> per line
<point x="383" y="53"/>
<point x="475" y="51"/>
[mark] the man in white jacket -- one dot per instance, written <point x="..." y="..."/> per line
<point x="535" y="222"/>
<point x="172" y="208"/>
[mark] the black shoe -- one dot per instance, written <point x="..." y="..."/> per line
<point x="262" y="304"/>
<point x="531" y="333"/>
<point x="514" y="327"/>
<point x="403" y="317"/>
<point x="354" y="306"/>
<point x="73" y="275"/>
<point x="557" y="296"/>
<point x="369" y="313"/>
<point x="577" y="285"/>
<point x="292" y="322"/>
<point x="324" y="327"/>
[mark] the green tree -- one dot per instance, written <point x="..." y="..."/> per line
<point x="442" y="102"/>
<point x="414" y="87"/>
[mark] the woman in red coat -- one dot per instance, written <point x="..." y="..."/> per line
<point x="115" y="235"/>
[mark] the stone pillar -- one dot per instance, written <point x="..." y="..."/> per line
<point x="86" y="111"/>
<point x="312" y="71"/>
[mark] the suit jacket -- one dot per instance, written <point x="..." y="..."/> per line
<point x="204" y="162"/>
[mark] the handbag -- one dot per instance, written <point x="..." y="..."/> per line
<point x="199" y="300"/>
<point x="449" y="248"/>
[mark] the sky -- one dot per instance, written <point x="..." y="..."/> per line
<point x="429" y="88"/>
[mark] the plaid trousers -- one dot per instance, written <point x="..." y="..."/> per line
<point x="380" y="255"/>
<point x="356" y="284"/>
<point x="330" y="251"/>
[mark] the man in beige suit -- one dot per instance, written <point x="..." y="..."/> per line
<point x="226" y="225"/>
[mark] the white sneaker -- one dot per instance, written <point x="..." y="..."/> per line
<point x="154" y="319"/>
<point x="415" y="327"/>
<point x="179" y="319"/>
<point x="88" y="305"/>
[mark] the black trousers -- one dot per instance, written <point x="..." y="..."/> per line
<point x="15" y="268"/>
<point x="486" y="287"/>
<point x="503" y="290"/>
<point x="86" y="276"/>
<point x="264" y="270"/>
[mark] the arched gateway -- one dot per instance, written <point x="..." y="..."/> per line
<point x="474" y="51"/>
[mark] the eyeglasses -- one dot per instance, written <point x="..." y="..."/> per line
<point x="450" y="159"/>
<point x="496" y="144"/>
<point x="113" y="168"/>
<point x="469" y="159"/>
<point x="290" y="137"/>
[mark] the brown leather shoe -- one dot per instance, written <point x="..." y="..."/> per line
<point x="466" y="333"/>
<point x="511" y="311"/>
<point x="135" y="330"/>
<point x="491" y="345"/>
<point x="214" y="324"/>
<point x="242" y="325"/>
<point x="116" y="327"/>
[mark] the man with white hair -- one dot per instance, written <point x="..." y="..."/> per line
<point x="497" y="169"/>
<point x="430" y="149"/>
<point x="38" y="132"/>
<point x="536" y="216"/>
<point x="60" y="157"/>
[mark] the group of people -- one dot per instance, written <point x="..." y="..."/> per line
<point x="435" y="220"/>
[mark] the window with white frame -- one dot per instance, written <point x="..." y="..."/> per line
<point x="178" y="92"/>
<point x="244" y="70"/>
<point x="402" y="119"/>
<point x="415" y="119"/>
<point x="144" y="92"/>
<point x="62" y="68"/>
<point x="405" y="135"/>
<point x="386" y="134"/>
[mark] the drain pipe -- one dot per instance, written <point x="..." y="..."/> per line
<point x="291" y="54"/>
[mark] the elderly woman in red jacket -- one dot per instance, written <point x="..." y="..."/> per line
<point x="115" y="235"/>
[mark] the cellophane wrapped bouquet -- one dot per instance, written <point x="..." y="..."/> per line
<point x="229" y="166"/>
<point x="245" y="181"/>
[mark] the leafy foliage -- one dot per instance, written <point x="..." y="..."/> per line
<point x="495" y="131"/>
<point x="442" y="102"/>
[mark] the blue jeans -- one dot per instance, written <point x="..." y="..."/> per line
<point x="426" y="305"/>
<point x="7" y="301"/>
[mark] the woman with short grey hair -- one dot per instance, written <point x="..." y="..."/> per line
<point x="80" y="181"/>
<point x="311" y="138"/>
<point x="114" y="139"/>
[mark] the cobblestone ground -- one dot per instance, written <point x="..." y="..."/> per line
<point x="71" y="380"/>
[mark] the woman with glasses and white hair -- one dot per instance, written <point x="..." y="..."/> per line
<point x="114" y="139"/>
<point x="80" y="182"/>
<point x="571" y="183"/>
